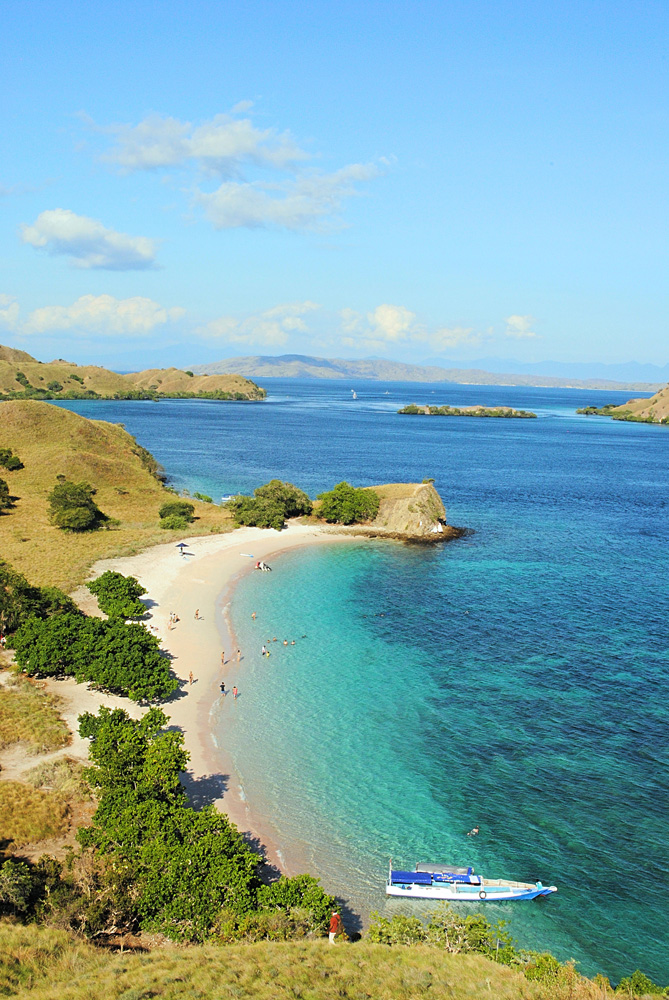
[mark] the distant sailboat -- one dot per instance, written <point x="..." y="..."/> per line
<point x="354" y="394"/>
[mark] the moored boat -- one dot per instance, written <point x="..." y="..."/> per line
<point x="458" y="885"/>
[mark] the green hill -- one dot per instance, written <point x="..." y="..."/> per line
<point x="23" y="377"/>
<point x="51" y="441"/>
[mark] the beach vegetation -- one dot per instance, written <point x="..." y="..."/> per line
<point x="20" y="599"/>
<point x="270" y="506"/>
<point x="118" y="595"/>
<point x="71" y="507"/>
<point x="176" y="515"/>
<point x="10" y="461"/>
<point x="346" y="504"/>
<point x="203" y="497"/>
<point x="112" y="655"/>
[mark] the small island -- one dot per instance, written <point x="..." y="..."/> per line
<point x="467" y="411"/>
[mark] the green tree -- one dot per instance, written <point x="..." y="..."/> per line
<point x="72" y="507"/>
<point x="176" y="514"/>
<point x="299" y="892"/>
<point x="123" y="659"/>
<point x="20" y="599"/>
<point x="16" y="886"/>
<point x="187" y="865"/>
<point x="10" y="461"/>
<point x="270" y="505"/>
<point x="6" y="502"/>
<point x="347" y="505"/>
<point x="118" y="595"/>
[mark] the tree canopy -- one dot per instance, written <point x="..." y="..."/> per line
<point x="20" y="600"/>
<point x="10" y="461"/>
<point x="118" y="595"/>
<point x="346" y="504"/>
<point x="123" y="659"/>
<point x="270" y="505"/>
<point x="176" y="514"/>
<point x="72" y="507"/>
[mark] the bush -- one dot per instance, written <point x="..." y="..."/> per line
<point x="15" y="886"/>
<point x="123" y="659"/>
<point x="203" y="497"/>
<point x="72" y="507"/>
<point x="54" y="386"/>
<point x="20" y="600"/>
<point x="118" y="595"/>
<point x="638" y="985"/>
<point x="10" y="461"/>
<point x="270" y="505"/>
<point x="177" y="508"/>
<point x="174" y="523"/>
<point x="347" y="505"/>
<point x="6" y="502"/>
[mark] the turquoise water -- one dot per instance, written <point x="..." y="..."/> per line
<point x="515" y="678"/>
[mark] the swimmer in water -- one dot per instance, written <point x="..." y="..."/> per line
<point x="473" y="831"/>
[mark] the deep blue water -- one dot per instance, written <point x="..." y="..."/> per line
<point x="516" y="678"/>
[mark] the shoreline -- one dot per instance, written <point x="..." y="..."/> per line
<point x="204" y="580"/>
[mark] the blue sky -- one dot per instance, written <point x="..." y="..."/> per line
<point x="183" y="182"/>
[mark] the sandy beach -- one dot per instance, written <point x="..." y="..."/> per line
<point x="202" y="580"/>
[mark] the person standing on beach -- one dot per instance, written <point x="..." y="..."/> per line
<point x="335" y="926"/>
<point x="234" y="692"/>
<point x="223" y="688"/>
<point x="239" y="656"/>
<point x="197" y="612"/>
<point x="222" y="657"/>
<point x="190" y="678"/>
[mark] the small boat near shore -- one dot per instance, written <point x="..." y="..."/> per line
<point x="446" y="882"/>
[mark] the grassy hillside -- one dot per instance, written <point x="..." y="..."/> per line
<point x="52" y="441"/>
<point x="21" y="376"/>
<point x="43" y="963"/>
<point x="650" y="411"/>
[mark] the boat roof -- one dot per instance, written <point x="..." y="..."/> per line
<point x="426" y="866"/>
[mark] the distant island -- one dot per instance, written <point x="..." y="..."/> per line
<point x="23" y="377"/>
<point x="381" y="370"/>
<point x="466" y="411"/>
<point x="642" y="411"/>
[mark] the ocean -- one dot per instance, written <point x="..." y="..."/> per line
<point x="515" y="678"/>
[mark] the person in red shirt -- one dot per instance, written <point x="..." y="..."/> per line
<point x="335" y="926"/>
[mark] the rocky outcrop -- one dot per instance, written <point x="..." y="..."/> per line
<point x="410" y="512"/>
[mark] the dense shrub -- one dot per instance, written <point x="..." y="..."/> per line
<point x="118" y="595"/>
<point x="10" y="461"/>
<point x="6" y="502"/>
<point x="347" y="505"/>
<point x="20" y="600"/>
<point x="176" y="514"/>
<point x="123" y="659"/>
<point x="72" y="507"/>
<point x="270" y="505"/>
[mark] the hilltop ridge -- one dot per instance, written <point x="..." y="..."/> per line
<point x="24" y="377"/>
<point x="647" y="411"/>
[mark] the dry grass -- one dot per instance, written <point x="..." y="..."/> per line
<point x="52" y="441"/>
<point x="30" y="716"/>
<point x="41" y="963"/>
<point x="62" y="775"/>
<point x="28" y="815"/>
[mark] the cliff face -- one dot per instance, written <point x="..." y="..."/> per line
<point x="410" y="512"/>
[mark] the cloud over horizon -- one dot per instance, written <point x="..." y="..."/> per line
<point x="101" y="315"/>
<point x="519" y="327"/>
<point x="87" y="242"/>
<point x="270" y="328"/>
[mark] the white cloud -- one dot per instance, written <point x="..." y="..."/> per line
<point x="519" y="327"/>
<point x="454" y="336"/>
<point x="221" y="145"/>
<point x="391" y="323"/>
<point x="102" y="315"/>
<point x="9" y="312"/>
<point x="88" y="242"/>
<point x="302" y="203"/>
<point x="271" y="328"/>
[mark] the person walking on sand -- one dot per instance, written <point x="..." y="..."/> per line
<point x="197" y="612"/>
<point x="190" y="678"/>
<point x="239" y="656"/>
<point x="234" y="692"/>
<point x="335" y="926"/>
<point x="222" y="657"/>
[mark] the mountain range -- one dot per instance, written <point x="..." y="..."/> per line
<point x="380" y="369"/>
